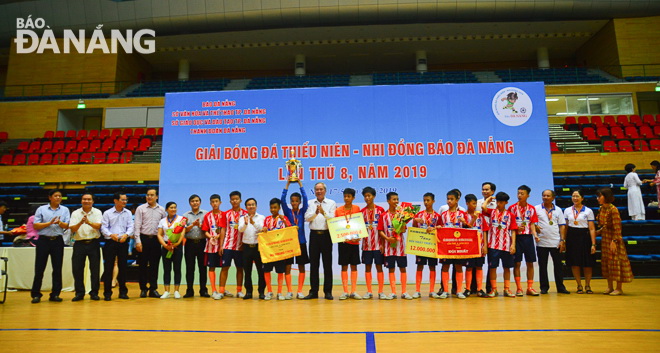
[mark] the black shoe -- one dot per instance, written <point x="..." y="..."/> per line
<point x="311" y="296"/>
<point x="55" y="299"/>
<point x="143" y="293"/>
<point x="154" y="294"/>
<point x="107" y="298"/>
<point x="94" y="297"/>
<point x="563" y="291"/>
<point x="466" y="293"/>
<point x="329" y="296"/>
<point x="189" y="295"/>
<point x="482" y="294"/>
<point x="247" y="296"/>
<point x="262" y="297"/>
<point x="35" y="300"/>
<point x="205" y="295"/>
<point x="123" y="296"/>
<point x="78" y="298"/>
<point x="544" y="291"/>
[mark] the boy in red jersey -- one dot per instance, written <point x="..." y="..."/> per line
<point x="394" y="249"/>
<point x="526" y="218"/>
<point x="475" y="220"/>
<point x="213" y="227"/>
<point x="272" y="222"/>
<point x="372" y="247"/>
<point x="349" y="250"/>
<point x="452" y="218"/>
<point x="501" y="242"/>
<point x="231" y="245"/>
<point x="427" y="219"/>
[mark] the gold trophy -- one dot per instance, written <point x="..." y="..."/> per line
<point x="292" y="165"/>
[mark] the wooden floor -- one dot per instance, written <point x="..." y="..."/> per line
<point x="551" y="322"/>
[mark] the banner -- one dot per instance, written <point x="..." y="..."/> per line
<point x="458" y="243"/>
<point x="340" y="230"/>
<point x="421" y="243"/>
<point x="279" y="244"/>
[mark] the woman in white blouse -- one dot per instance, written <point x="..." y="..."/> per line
<point x="580" y="241"/>
<point x="636" y="208"/>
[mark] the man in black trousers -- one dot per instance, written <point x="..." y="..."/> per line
<point x="194" y="248"/>
<point x="117" y="228"/>
<point x="320" y="209"/>
<point x="147" y="217"/>
<point x="85" y="224"/>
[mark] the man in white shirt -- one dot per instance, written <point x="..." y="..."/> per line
<point x="319" y="210"/>
<point x="550" y="228"/>
<point x="85" y="224"/>
<point x="487" y="190"/>
<point x="249" y="226"/>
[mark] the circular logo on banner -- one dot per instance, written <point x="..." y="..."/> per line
<point x="457" y="234"/>
<point x="512" y="106"/>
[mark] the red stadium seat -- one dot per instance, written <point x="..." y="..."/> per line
<point x="46" y="146"/>
<point x="596" y="120"/>
<point x="70" y="146"/>
<point x="34" y="147"/>
<point x="82" y="135"/>
<point x="116" y="133"/>
<point x="6" y="159"/>
<point x="105" y="133"/>
<point x="19" y="159"/>
<point x="640" y="145"/>
<point x="59" y="159"/>
<point x="590" y="134"/>
<point x="609" y="120"/>
<point x="107" y="145"/>
<point x="33" y="159"/>
<point x="120" y="145"/>
<point x="144" y="145"/>
<point x="59" y="134"/>
<point x="649" y="120"/>
<point x="93" y="134"/>
<point x="85" y="158"/>
<point x="160" y="131"/>
<point x="4" y="136"/>
<point x="570" y="120"/>
<point x="631" y="132"/>
<point x="49" y="134"/>
<point x="94" y="146"/>
<point x="583" y="120"/>
<point x="83" y="146"/>
<point x="72" y="158"/>
<point x="622" y="120"/>
<point x="127" y="157"/>
<point x="654" y="145"/>
<point x="113" y="157"/>
<point x="59" y="146"/>
<point x="151" y="131"/>
<point x="23" y="146"/>
<point x="128" y="133"/>
<point x="625" y="146"/>
<point x="646" y="131"/>
<point x="46" y="159"/>
<point x="635" y="120"/>
<point x="132" y="145"/>
<point x="138" y="133"/>
<point x="656" y="130"/>
<point x="610" y="146"/>
<point x="602" y="132"/>
<point x="553" y="147"/>
<point x="71" y="134"/>
<point x="99" y="158"/>
<point x="617" y="132"/>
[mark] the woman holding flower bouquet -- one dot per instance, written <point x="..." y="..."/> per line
<point x="171" y="231"/>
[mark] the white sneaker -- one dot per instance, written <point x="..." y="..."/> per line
<point x="384" y="296"/>
<point x="343" y="296"/>
<point x="216" y="296"/>
<point x="280" y="296"/>
<point x="393" y="295"/>
<point x="177" y="295"/>
<point x="227" y="294"/>
<point x="300" y="296"/>
<point x="288" y="296"/>
<point x="444" y="295"/>
<point x="165" y="295"/>
<point x="269" y="296"/>
<point x="356" y="296"/>
<point x="240" y="294"/>
<point x="368" y="296"/>
<point x="406" y="296"/>
<point x="417" y="295"/>
<point x="434" y="295"/>
<point x="461" y="296"/>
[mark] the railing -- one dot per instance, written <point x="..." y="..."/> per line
<point x="65" y="89"/>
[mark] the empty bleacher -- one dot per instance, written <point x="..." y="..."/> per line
<point x="552" y="76"/>
<point x="159" y="88"/>
<point x="407" y="78"/>
<point x="298" y="81"/>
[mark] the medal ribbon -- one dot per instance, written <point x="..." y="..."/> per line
<point x="549" y="213"/>
<point x="576" y="213"/>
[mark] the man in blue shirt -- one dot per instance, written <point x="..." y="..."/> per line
<point x="117" y="228"/>
<point x="296" y="216"/>
<point x="50" y="221"/>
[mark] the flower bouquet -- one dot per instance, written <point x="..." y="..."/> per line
<point x="174" y="234"/>
<point x="404" y="213"/>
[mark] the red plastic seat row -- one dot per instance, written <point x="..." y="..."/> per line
<point x="82" y="146"/>
<point x="630" y="132"/>
<point x="79" y="135"/>
<point x="630" y="146"/>
<point x="71" y="158"/>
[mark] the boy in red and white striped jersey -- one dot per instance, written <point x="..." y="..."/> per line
<point x="231" y="245"/>
<point x="372" y="245"/>
<point x="452" y="218"/>
<point x="474" y="266"/>
<point x="501" y="242"/>
<point x="394" y="247"/>
<point x="526" y="218"/>
<point x="427" y="219"/>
